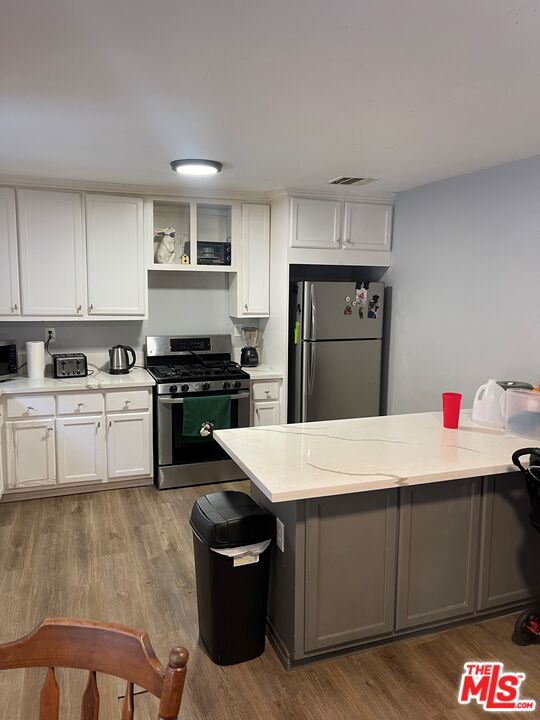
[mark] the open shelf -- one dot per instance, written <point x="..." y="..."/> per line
<point x="203" y="230"/>
<point x="176" y="267"/>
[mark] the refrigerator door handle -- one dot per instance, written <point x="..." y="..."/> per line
<point x="308" y="376"/>
<point x="313" y="332"/>
<point x="313" y="357"/>
<point x="309" y="311"/>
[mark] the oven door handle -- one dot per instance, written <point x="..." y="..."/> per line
<point x="180" y="401"/>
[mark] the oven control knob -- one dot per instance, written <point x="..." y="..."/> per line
<point x="226" y="385"/>
<point x="173" y="389"/>
<point x="237" y="384"/>
<point x="206" y="386"/>
<point x="184" y="388"/>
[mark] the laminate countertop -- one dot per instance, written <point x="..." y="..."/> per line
<point x="100" y="380"/>
<point x="306" y="460"/>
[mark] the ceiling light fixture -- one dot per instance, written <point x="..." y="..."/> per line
<point x="196" y="167"/>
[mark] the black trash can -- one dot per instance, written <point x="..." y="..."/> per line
<point x="232" y="579"/>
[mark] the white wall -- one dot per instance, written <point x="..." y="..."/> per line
<point x="178" y="303"/>
<point x="465" y="288"/>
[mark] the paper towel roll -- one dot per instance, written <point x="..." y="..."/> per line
<point x="35" y="359"/>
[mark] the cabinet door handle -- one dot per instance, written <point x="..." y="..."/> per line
<point x="91" y="307"/>
<point x="14" y="308"/>
<point x="348" y="241"/>
<point x="50" y="428"/>
<point x="267" y="393"/>
<point x="257" y="411"/>
<point x="79" y="308"/>
<point x="246" y="306"/>
<point x="110" y="423"/>
<point x="98" y="425"/>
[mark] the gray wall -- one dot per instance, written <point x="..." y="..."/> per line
<point x="179" y="303"/>
<point x="465" y="296"/>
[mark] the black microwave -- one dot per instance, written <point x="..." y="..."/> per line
<point x="211" y="253"/>
<point x="8" y="360"/>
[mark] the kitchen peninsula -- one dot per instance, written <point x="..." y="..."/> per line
<point x="391" y="526"/>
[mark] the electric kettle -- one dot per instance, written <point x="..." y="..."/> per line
<point x="119" y="363"/>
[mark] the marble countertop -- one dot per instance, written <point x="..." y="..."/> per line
<point x="295" y="462"/>
<point x="100" y="380"/>
<point x="263" y="372"/>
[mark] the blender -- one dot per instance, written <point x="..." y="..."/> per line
<point x="249" y="356"/>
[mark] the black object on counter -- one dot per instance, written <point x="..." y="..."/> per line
<point x="514" y="385"/>
<point x="232" y="592"/>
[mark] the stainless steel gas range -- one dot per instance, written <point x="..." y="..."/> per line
<point x="185" y="366"/>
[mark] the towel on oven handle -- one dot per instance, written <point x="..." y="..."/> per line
<point x="213" y="410"/>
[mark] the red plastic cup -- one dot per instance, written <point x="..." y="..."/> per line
<point x="451" y="404"/>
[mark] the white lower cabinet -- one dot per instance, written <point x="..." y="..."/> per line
<point x="266" y="405"/>
<point x="77" y="439"/>
<point x="31" y="460"/>
<point x="266" y="413"/>
<point x="128" y="445"/>
<point x="80" y="443"/>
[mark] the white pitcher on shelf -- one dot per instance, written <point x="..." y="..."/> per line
<point x="166" y="250"/>
<point x="489" y="406"/>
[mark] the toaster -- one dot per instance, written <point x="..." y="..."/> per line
<point x="67" y="365"/>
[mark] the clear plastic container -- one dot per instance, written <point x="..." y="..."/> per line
<point x="523" y="413"/>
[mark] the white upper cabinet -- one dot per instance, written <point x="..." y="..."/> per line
<point x="315" y="223"/>
<point x="367" y="226"/>
<point x="250" y="290"/>
<point x="51" y="251"/>
<point x="115" y="255"/>
<point x="10" y="303"/>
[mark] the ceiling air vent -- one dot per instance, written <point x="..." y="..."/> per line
<point x="344" y="180"/>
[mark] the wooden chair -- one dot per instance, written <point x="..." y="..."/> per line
<point x="98" y="647"/>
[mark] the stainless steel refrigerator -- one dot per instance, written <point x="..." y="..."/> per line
<point x="335" y="350"/>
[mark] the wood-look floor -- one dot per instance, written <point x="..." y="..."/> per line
<point x="125" y="556"/>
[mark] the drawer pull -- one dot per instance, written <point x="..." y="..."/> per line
<point x="29" y="407"/>
<point x="79" y="405"/>
<point x="50" y="428"/>
<point x="267" y="393"/>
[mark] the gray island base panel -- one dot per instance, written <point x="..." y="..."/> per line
<point x="366" y="568"/>
<point x="392" y="526"/>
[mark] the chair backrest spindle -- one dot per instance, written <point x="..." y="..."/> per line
<point x="128" y="708"/>
<point x="90" y="699"/>
<point x="49" y="701"/>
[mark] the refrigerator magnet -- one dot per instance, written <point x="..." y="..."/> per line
<point x="348" y="310"/>
<point x="361" y="296"/>
<point x="373" y="308"/>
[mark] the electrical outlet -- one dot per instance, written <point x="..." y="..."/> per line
<point x="50" y="333"/>
<point x="280" y="535"/>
